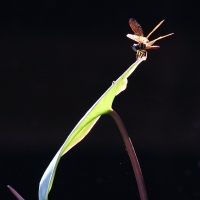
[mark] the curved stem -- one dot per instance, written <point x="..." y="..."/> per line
<point x="132" y="155"/>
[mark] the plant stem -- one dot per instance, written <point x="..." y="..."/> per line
<point x="132" y="155"/>
<point x="19" y="197"/>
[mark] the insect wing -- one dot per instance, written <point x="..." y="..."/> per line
<point x="133" y="37"/>
<point x="136" y="28"/>
<point x="139" y="39"/>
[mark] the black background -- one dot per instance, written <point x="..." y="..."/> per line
<point x="58" y="57"/>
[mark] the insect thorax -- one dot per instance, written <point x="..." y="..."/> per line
<point x="138" y="46"/>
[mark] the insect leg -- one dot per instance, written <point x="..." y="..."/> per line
<point x="159" y="38"/>
<point x="155" y="28"/>
<point x="141" y="53"/>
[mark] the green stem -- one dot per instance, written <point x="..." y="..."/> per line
<point x="132" y="155"/>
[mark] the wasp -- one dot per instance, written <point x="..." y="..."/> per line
<point x="143" y="44"/>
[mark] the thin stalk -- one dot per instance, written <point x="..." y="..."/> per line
<point x="132" y="155"/>
<point x="19" y="197"/>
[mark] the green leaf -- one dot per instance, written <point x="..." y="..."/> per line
<point x="102" y="106"/>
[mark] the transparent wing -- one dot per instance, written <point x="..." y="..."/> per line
<point x="137" y="38"/>
<point x="136" y="28"/>
<point x="134" y="37"/>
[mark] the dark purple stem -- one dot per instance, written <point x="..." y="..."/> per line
<point x="132" y="155"/>
<point x="19" y="197"/>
